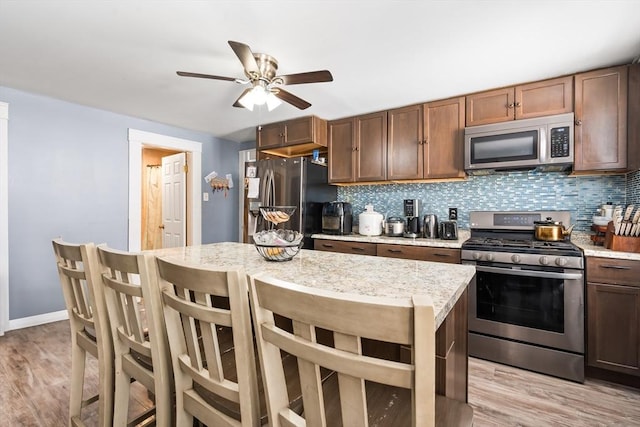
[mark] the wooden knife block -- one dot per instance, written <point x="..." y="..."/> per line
<point x="620" y="243"/>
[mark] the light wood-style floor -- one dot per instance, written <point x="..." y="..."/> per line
<point x="34" y="390"/>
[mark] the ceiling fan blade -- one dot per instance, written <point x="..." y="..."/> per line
<point x="291" y="99"/>
<point x="237" y="103"/>
<point x="244" y="54"/>
<point x="310" y="77"/>
<point x="204" y="76"/>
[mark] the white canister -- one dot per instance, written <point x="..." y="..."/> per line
<point x="370" y="222"/>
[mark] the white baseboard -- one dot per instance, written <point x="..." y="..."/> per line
<point x="40" y="319"/>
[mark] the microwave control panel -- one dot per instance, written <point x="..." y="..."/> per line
<point x="560" y="142"/>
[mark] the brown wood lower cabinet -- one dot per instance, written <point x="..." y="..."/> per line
<point x="345" y="247"/>
<point x="613" y="316"/>
<point x="420" y="253"/>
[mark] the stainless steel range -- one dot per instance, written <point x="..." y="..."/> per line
<point x="527" y="306"/>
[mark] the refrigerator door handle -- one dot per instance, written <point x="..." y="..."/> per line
<point x="272" y="192"/>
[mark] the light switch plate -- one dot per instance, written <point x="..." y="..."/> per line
<point x="453" y="214"/>
<point x="205" y="197"/>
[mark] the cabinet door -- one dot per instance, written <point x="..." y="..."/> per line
<point x="601" y="118"/>
<point x="298" y="131"/>
<point x="613" y="325"/>
<point x="490" y="107"/>
<point x="444" y="138"/>
<point x="406" y="138"/>
<point x="371" y="147"/>
<point x="544" y="98"/>
<point x="342" y="134"/>
<point x="270" y="135"/>
<point x="633" y="121"/>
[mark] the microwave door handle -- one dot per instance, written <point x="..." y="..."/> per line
<point x="530" y="273"/>
<point x="543" y="145"/>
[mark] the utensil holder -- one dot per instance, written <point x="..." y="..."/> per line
<point x="620" y="243"/>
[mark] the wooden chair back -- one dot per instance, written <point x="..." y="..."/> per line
<point x="350" y="318"/>
<point x="78" y="269"/>
<point x="137" y="326"/>
<point x="209" y="328"/>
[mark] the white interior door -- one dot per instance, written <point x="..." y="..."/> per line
<point x="174" y="205"/>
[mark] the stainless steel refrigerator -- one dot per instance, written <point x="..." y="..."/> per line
<point x="292" y="182"/>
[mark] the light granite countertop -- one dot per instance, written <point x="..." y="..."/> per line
<point x="359" y="274"/>
<point x="579" y="238"/>
<point x="436" y="243"/>
<point x="583" y="241"/>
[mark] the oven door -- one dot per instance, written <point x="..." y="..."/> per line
<point x="536" y="305"/>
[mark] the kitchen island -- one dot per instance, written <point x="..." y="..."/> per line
<point x="446" y="284"/>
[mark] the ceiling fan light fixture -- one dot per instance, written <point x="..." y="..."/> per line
<point x="272" y="101"/>
<point x="259" y="95"/>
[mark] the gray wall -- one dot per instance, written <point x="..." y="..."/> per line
<point x="68" y="177"/>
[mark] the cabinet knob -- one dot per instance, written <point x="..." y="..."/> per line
<point x="518" y="104"/>
<point x="578" y="122"/>
<point x="511" y="105"/>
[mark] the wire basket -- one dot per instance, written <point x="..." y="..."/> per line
<point x="278" y="252"/>
<point x="277" y="214"/>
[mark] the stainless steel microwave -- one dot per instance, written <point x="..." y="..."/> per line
<point x="544" y="143"/>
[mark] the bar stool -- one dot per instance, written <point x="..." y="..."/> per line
<point x="78" y="269"/>
<point x="365" y="390"/>
<point x="139" y="337"/>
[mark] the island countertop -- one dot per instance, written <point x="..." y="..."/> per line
<point x="358" y="274"/>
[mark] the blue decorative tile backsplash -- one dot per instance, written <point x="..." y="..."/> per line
<point x="509" y="191"/>
<point x="633" y="188"/>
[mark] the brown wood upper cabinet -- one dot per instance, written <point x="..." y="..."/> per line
<point x="543" y="98"/>
<point x="292" y="137"/>
<point x="601" y="120"/>
<point x="358" y="149"/>
<point x="426" y="141"/>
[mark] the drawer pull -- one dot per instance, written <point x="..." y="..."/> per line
<point x="326" y="245"/>
<point x="395" y="251"/>
<point x="442" y="255"/>
<point x="357" y="249"/>
<point x="616" y="267"/>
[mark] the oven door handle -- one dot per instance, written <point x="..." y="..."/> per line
<point x="530" y="273"/>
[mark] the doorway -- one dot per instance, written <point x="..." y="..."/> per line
<point x="151" y="227"/>
<point x="140" y="141"/>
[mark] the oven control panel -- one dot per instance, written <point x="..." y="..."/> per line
<point x="516" y="259"/>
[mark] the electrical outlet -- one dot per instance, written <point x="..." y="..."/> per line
<point x="205" y="197"/>
<point x="453" y="214"/>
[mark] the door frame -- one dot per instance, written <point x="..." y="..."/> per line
<point x="137" y="141"/>
<point x="243" y="157"/>
<point x="4" y="217"/>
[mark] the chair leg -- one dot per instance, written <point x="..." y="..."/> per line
<point x="105" y="408"/>
<point x="121" y="400"/>
<point x="78" y="359"/>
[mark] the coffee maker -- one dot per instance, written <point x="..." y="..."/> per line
<point x="412" y="217"/>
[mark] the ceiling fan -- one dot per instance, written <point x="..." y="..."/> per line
<point x="260" y="70"/>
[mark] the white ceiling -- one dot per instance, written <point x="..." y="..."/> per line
<point x="122" y="55"/>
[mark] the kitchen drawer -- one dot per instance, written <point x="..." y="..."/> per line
<point x="345" y="247"/>
<point x="421" y="253"/>
<point x="613" y="271"/>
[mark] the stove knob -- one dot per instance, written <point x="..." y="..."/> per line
<point x="515" y="258"/>
<point x="561" y="261"/>
<point x="489" y="257"/>
<point x="477" y="255"/>
<point x="544" y="260"/>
